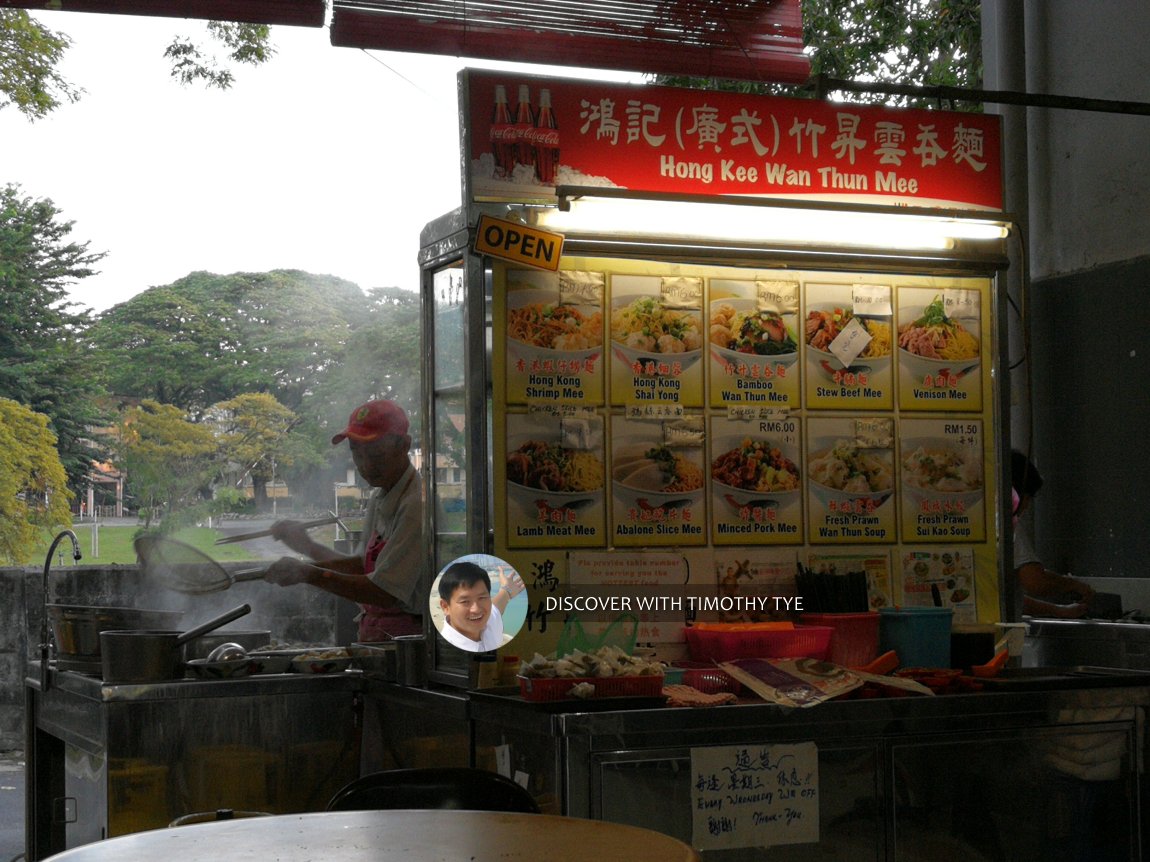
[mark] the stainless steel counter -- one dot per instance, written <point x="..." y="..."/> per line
<point x="1062" y="643"/>
<point x="105" y="760"/>
<point x="899" y="778"/>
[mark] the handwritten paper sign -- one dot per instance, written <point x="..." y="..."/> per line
<point x="754" y="796"/>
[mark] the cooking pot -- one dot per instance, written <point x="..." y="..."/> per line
<point x="76" y="628"/>
<point x="250" y="640"/>
<point x="136" y="656"/>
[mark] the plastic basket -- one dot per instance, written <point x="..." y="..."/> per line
<point x="920" y="636"/>
<point x="799" y="642"/>
<point x="855" y="641"/>
<point x="711" y="681"/>
<point x="535" y="688"/>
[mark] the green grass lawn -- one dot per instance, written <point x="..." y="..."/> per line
<point x="114" y="545"/>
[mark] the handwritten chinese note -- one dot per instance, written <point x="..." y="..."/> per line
<point x="754" y="796"/>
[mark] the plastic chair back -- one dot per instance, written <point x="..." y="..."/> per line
<point x="434" y="788"/>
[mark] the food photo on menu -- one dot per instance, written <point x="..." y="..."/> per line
<point x="940" y="348"/>
<point x="943" y="479"/>
<point x="847" y="342"/>
<point x="657" y="340"/>
<point x="756" y="481"/>
<point x="753" y="338"/>
<point x="850" y="480"/>
<point x="657" y="482"/>
<point x="555" y="331"/>
<point x="555" y="479"/>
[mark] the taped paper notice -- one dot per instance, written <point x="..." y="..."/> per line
<point x="754" y="796"/>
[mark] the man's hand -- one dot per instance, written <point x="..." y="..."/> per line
<point x="513" y="584"/>
<point x="288" y="571"/>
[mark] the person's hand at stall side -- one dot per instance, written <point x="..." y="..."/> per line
<point x="383" y="576"/>
<point x="1041" y="587"/>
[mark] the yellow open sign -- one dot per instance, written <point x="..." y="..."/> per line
<point x="518" y="243"/>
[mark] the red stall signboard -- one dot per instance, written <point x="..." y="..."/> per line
<point x="706" y="142"/>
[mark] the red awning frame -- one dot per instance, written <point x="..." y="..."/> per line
<point x="758" y="40"/>
<point x="298" y="13"/>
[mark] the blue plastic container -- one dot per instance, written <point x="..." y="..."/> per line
<point x="920" y="636"/>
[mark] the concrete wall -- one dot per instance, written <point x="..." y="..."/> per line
<point x="296" y="616"/>
<point x="1079" y="182"/>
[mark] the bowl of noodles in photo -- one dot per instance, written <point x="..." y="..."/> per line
<point x="650" y="476"/>
<point x="752" y="473"/>
<point x="847" y="477"/>
<point x="933" y="344"/>
<point x="644" y="331"/>
<point x="941" y="476"/>
<point x="540" y="328"/>
<point x="543" y="476"/>
<point x="742" y="334"/>
<point x="824" y="323"/>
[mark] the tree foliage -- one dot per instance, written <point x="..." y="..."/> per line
<point x="915" y="42"/>
<point x="170" y="460"/>
<point x="245" y="43"/>
<point x="29" y="55"/>
<point x="43" y="364"/>
<point x="33" y="486"/>
<point x="258" y="436"/>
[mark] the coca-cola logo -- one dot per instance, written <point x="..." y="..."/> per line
<point x="504" y="134"/>
<point x="544" y="137"/>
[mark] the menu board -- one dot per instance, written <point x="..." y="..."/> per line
<point x="737" y="412"/>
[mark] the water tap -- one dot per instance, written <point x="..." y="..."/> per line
<point x="44" y="636"/>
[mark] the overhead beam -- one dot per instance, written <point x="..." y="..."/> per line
<point x="296" y="13"/>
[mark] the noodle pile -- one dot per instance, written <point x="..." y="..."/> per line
<point x="936" y="336"/>
<point x="555" y="326"/>
<point x="550" y="467"/>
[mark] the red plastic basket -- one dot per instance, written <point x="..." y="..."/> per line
<point x="799" y="642"/>
<point x="558" y="688"/>
<point x="711" y="681"/>
<point x="855" y="641"/>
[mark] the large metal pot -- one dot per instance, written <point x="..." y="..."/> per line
<point x="76" y="628"/>
<point x="140" y="656"/>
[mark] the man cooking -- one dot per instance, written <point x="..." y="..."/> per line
<point x="1043" y="589"/>
<point x="384" y="576"/>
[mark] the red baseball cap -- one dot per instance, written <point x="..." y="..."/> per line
<point x="373" y="420"/>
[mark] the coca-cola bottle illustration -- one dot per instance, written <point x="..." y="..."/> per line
<point x="524" y="123"/>
<point x="502" y="133"/>
<point x="545" y="141"/>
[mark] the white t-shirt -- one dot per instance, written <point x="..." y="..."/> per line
<point x="397" y="517"/>
<point x="1023" y="546"/>
<point x="492" y="637"/>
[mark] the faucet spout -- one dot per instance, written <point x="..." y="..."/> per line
<point x="44" y="636"/>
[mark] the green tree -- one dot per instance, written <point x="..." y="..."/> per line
<point x="207" y="338"/>
<point x="915" y="42"/>
<point x="169" y="461"/>
<point x="33" y="487"/>
<point x="30" y="55"/>
<point x="43" y="364"/>
<point x="258" y="436"/>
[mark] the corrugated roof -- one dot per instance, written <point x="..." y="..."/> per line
<point x="747" y="39"/>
